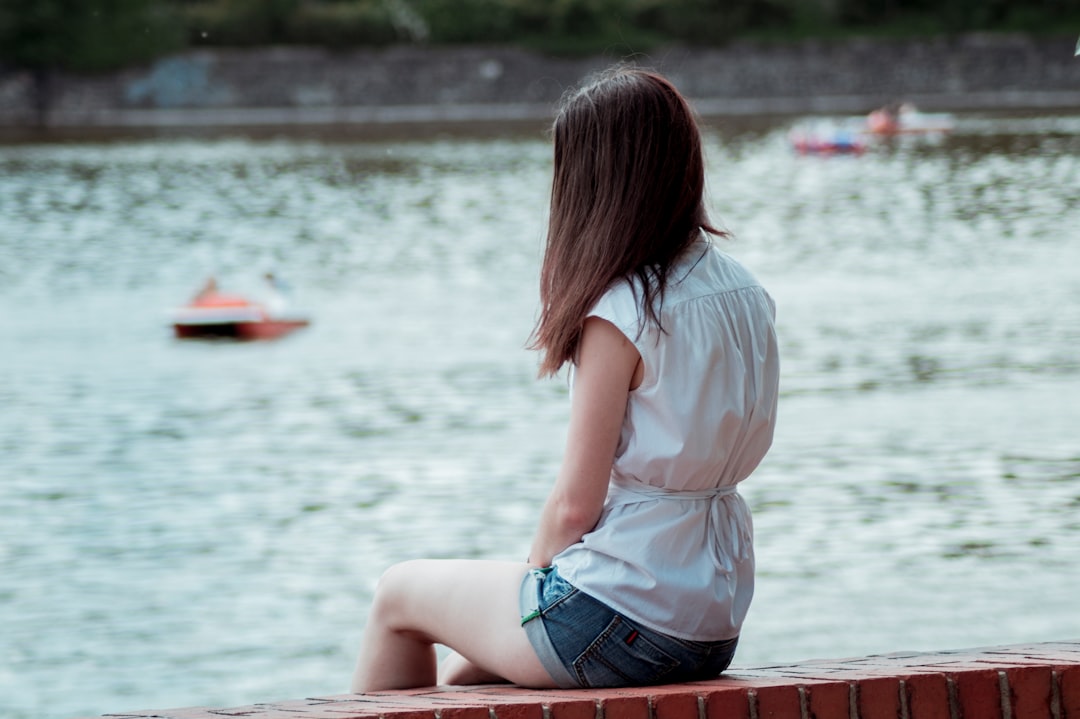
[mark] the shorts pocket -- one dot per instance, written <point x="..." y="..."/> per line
<point x="622" y="656"/>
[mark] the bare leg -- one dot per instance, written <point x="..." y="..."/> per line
<point x="470" y="606"/>
<point x="458" y="670"/>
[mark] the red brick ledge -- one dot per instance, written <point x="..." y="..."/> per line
<point x="1033" y="681"/>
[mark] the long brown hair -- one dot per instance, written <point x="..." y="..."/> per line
<point x="626" y="200"/>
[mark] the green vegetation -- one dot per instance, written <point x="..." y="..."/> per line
<point x="81" y="35"/>
<point x="49" y="35"/>
<point x="586" y="26"/>
<point x="89" y="35"/>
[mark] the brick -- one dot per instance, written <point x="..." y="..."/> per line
<point x="1003" y="661"/>
<point x="624" y="707"/>
<point x="518" y="711"/>
<point x="927" y="696"/>
<point x="272" y="713"/>
<point x="185" y="712"/>
<point x="1030" y="692"/>
<point x="415" y="706"/>
<point x="439" y="702"/>
<point x="351" y="713"/>
<point x="505" y="692"/>
<point x="314" y="709"/>
<point x="1069" y="684"/>
<point x="335" y="710"/>
<point x="592" y="695"/>
<point x="574" y="703"/>
<point x="571" y="709"/>
<point x="752" y="674"/>
<point x="1048" y="652"/>
<point x="729" y="702"/>
<point x="1067" y="651"/>
<point x="879" y="698"/>
<point x="343" y="711"/>
<point x="290" y="705"/>
<point x="779" y="702"/>
<point x="828" y="700"/>
<point x="504" y="704"/>
<point x="674" y="704"/>
<point x="978" y="693"/>
<point x="846" y="673"/>
<point x="465" y="713"/>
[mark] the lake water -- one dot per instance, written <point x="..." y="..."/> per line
<point x="203" y="523"/>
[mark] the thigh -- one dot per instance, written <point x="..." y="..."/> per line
<point x="470" y="606"/>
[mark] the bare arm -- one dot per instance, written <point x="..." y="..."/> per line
<point x="607" y="369"/>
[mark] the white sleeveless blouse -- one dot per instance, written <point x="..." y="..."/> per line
<point x="673" y="548"/>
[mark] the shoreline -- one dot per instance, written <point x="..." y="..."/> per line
<point x="164" y="118"/>
<point x="415" y="86"/>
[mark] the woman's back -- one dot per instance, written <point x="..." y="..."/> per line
<point x="672" y="549"/>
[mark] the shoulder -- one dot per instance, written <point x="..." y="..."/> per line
<point x="620" y="305"/>
<point x="717" y="282"/>
<point x="708" y="270"/>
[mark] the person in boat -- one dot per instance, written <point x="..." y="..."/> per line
<point x="886" y="119"/>
<point x="276" y="295"/>
<point x="642" y="567"/>
<point x="208" y="290"/>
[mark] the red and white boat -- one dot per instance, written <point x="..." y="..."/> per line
<point x="838" y="142"/>
<point x="907" y="120"/>
<point x="214" y="314"/>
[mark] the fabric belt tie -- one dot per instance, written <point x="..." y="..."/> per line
<point x="730" y="527"/>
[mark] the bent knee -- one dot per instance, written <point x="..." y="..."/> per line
<point x="396" y="594"/>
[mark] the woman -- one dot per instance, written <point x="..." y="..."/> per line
<point x="642" y="567"/>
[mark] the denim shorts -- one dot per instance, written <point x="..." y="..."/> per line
<point x="584" y="643"/>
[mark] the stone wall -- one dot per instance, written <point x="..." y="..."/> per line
<point x="312" y="85"/>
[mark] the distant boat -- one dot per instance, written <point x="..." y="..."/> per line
<point x="834" y="142"/>
<point x="855" y="135"/>
<point x="907" y="120"/>
<point x="214" y="314"/>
